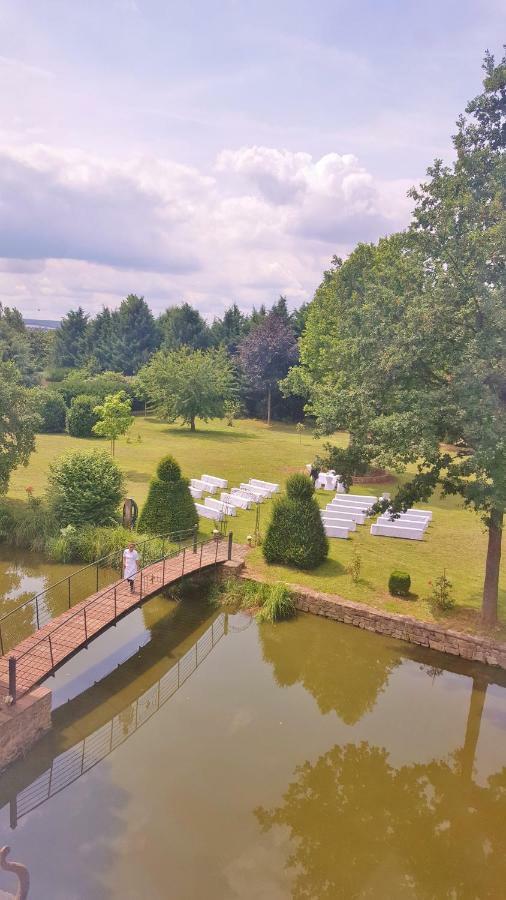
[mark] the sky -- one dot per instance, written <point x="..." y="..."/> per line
<point x="218" y="151"/>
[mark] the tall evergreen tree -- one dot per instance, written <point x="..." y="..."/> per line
<point x="137" y="335"/>
<point x="230" y="330"/>
<point x="183" y="326"/>
<point x="103" y="340"/>
<point x="70" y="345"/>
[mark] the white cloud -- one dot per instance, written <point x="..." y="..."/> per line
<point x="79" y="228"/>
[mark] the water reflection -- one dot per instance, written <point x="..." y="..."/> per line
<point x="387" y="832"/>
<point x="345" y="675"/>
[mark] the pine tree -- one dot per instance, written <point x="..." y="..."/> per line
<point x="169" y="506"/>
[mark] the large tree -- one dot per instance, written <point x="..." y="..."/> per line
<point x="267" y="353"/>
<point x="70" y="344"/>
<point x="183" y="326"/>
<point x="230" y="330"/>
<point x="185" y="384"/>
<point x="18" y="422"/>
<point x="136" y="335"/>
<point x="404" y="343"/>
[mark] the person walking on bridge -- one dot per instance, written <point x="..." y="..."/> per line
<point x="130" y="564"/>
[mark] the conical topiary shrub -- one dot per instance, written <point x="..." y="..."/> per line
<point x="169" y="505"/>
<point x="295" y="535"/>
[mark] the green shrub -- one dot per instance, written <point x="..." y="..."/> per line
<point x="278" y="604"/>
<point x="52" y="411"/>
<point x="399" y="583"/>
<point x="441" y="599"/>
<point x="169" y="505"/>
<point x="6" y="522"/>
<point x="85" y="488"/>
<point x="295" y="535"/>
<point x="32" y="524"/>
<point x="81" y="417"/>
<point x="79" y="383"/>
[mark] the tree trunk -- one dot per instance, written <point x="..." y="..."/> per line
<point x="491" y="585"/>
<point x="192" y="423"/>
<point x="476" y="704"/>
<point x="268" y="405"/>
<point x="112" y="447"/>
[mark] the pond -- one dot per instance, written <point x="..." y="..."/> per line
<point x="225" y="760"/>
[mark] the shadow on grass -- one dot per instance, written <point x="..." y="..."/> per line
<point x="134" y="475"/>
<point x="216" y="436"/>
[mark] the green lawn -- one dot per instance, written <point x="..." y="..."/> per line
<point x="455" y="541"/>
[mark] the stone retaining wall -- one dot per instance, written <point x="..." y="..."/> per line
<point x="404" y="628"/>
<point x="23" y="723"/>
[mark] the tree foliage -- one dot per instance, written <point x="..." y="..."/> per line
<point x="135" y="333"/>
<point x="267" y="353"/>
<point x="81" y="417"/>
<point x="18" y="422"/>
<point x="183" y="326"/>
<point x="114" y="417"/>
<point x="52" y="411"/>
<point x="188" y="385"/>
<point x="70" y="344"/>
<point x="295" y="535"/>
<point x="404" y="343"/>
<point x="85" y="489"/>
<point x="169" y="506"/>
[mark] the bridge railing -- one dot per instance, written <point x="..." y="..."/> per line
<point x="92" y="617"/>
<point x="37" y="611"/>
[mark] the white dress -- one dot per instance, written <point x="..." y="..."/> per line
<point x="130" y="560"/>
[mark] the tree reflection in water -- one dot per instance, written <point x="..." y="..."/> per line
<point x="420" y="831"/>
<point x="345" y="675"/>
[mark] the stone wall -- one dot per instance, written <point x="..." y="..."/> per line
<point x="23" y="723"/>
<point x="404" y="628"/>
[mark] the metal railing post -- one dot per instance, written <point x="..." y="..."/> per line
<point x="163" y="571"/>
<point x="12" y="677"/>
<point x="37" y="611"/>
<point x="1" y="642"/>
<point x="184" y="552"/>
<point x="115" y="604"/>
<point x="229" y="556"/>
<point x="216" y="554"/>
<point x="201" y="549"/>
<point x="85" y="626"/>
<point x="51" y="651"/>
<point x="68" y="592"/>
<point x="140" y="592"/>
<point x="97" y="578"/>
<point x="195" y="532"/>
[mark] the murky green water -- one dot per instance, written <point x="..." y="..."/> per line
<point x="225" y="760"/>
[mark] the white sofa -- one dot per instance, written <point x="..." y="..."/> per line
<point x="204" y="486"/>
<point x="219" y="482"/>
<point x="388" y="529"/>
<point x="226" y="508"/>
<point x="206" y="512"/>
<point x="268" y="485"/>
<point x="236" y="500"/>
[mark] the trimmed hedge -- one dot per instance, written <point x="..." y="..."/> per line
<point x="295" y="535"/>
<point x="81" y="416"/>
<point x="399" y="583"/>
<point x="169" y="505"/>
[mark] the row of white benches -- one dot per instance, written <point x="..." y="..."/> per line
<point x="243" y="497"/>
<point x="345" y="512"/>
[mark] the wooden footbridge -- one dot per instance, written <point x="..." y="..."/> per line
<point x="50" y="645"/>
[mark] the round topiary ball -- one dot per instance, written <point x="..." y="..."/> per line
<point x="168" y="469"/>
<point x="299" y="487"/>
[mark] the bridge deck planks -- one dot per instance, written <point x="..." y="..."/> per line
<point x="68" y="632"/>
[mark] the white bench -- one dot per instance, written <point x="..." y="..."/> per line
<point x="358" y="517"/>
<point x="205" y="486"/>
<point x="219" y="482"/>
<point x="226" y="508"/>
<point x="420" y="513"/>
<point x="387" y="529"/>
<point x="236" y="500"/>
<point x="206" y="512"/>
<point x="337" y="531"/>
<point x="358" y="507"/>
<point x="359" y="503"/>
<point x="247" y="495"/>
<point x="327" y="481"/>
<point x="196" y="493"/>
<point x="339" y="519"/>
<point x="270" y="485"/>
<point x="405" y="520"/>
<point x="357" y="498"/>
<point x="256" y="491"/>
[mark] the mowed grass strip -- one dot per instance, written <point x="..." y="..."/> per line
<point x="456" y="541"/>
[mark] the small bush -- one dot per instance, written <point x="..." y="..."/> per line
<point x="85" y="489"/>
<point x="399" y="584"/>
<point x="295" y="535"/>
<point x="81" y="417"/>
<point x="355" y="566"/>
<point x="52" y="411"/>
<point x="169" y="506"/>
<point x="278" y="605"/>
<point x="32" y="525"/>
